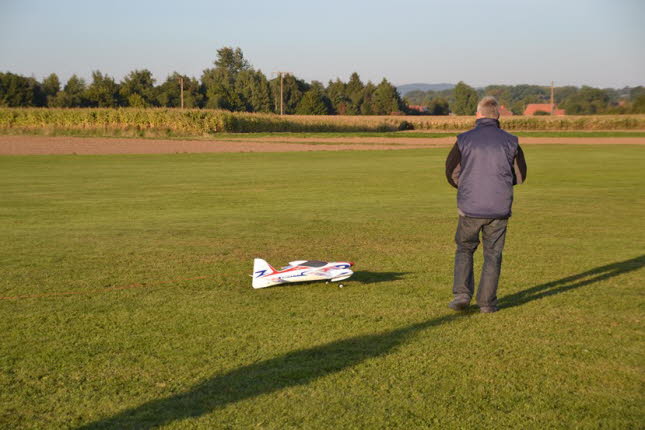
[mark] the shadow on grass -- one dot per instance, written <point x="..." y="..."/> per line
<point x="301" y="367"/>
<point x="367" y="277"/>
<point x="571" y="282"/>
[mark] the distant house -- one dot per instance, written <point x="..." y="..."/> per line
<point x="419" y="108"/>
<point x="532" y="108"/>
<point x="504" y="112"/>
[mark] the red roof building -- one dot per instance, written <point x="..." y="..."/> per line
<point x="419" y="108"/>
<point x="532" y="108"/>
<point x="504" y="112"/>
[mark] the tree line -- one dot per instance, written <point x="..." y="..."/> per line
<point x="462" y="99"/>
<point x="234" y="85"/>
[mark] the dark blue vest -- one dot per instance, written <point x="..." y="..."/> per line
<point x="486" y="176"/>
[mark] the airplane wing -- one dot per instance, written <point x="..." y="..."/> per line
<point x="334" y="273"/>
<point x="323" y="274"/>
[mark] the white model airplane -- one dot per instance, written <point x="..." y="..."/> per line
<point x="299" y="271"/>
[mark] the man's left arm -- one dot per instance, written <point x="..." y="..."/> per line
<point x="519" y="167"/>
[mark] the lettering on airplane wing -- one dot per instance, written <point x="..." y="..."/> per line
<point x="323" y="273"/>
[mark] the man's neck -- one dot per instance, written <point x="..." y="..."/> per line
<point x="487" y="121"/>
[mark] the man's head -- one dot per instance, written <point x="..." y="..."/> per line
<point x="488" y="108"/>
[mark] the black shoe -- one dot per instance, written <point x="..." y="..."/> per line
<point x="459" y="304"/>
<point x="488" y="309"/>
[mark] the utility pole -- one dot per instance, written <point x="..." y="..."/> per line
<point x="181" y="90"/>
<point x="552" y="99"/>
<point x="281" y="74"/>
<point x="281" y="94"/>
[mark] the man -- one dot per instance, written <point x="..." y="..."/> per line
<point x="484" y="165"/>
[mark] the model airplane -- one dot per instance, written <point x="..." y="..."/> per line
<point x="299" y="271"/>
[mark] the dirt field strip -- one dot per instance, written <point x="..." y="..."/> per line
<point x="41" y="145"/>
<point x="343" y="140"/>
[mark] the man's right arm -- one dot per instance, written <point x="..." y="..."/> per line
<point x="453" y="166"/>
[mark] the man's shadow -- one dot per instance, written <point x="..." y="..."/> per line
<point x="303" y="366"/>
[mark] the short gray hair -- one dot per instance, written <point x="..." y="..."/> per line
<point x="488" y="107"/>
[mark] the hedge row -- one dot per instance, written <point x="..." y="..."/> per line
<point x="196" y="122"/>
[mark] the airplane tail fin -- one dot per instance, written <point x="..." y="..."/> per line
<point x="261" y="268"/>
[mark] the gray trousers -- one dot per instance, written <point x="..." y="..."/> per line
<point x="467" y="239"/>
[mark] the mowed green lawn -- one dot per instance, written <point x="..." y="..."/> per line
<point x="162" y="328"/>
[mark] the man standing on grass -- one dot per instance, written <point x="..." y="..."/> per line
<point x="483" y="165"/>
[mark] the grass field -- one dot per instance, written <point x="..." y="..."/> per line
<point x="126" y="301"/>
<point x="431" y="135"/>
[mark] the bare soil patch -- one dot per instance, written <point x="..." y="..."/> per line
<point x="34" y="145"/>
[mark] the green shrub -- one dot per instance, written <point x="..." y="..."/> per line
<point x="405" y="125"/>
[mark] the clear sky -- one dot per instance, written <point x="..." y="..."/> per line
<point x="576" y="42"/>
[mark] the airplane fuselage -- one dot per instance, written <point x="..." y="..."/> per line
<point x="302" y="271"/>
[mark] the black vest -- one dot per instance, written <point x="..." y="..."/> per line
<point x="486" y="176"/>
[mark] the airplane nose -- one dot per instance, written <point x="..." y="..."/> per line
<point x="351" y="264"/>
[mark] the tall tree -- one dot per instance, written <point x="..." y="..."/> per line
<point x="586" y="101"/>
<point x="231" y="60"/>
<point x="367" y="99"/>
<point x="261" y="99"/>
<point x="354" y="91"/>
<point x="73" y="94"/>
<point x="314" y="101"/>
<point x="293" y="90"/>
<point x="415" y="97"/>
<point x="438" y="106"/>
<point x="169" y="93"/>
<point x="51" y="87"/>
<point x="137" y="89"/>
<point x="253" y="90"/>
<point x="219" y="90"/>
<point x="387" y="99"/>
<point x="522" y="95"/>
<point x="16" y="90"/>
<point x="562" y="93"/>
<point x="637" y="97"/>
<point x="465" y="100"/>
<point x="337" y="94"/>
<point x="219" y="82"/>
<point x="103" y="91"/>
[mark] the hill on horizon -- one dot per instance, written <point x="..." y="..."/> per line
<point x="406" y="88"/>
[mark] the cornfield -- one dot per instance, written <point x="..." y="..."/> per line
<point x="196" y="123"/>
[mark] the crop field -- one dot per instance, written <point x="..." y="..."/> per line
<point x="125" y="300"/>
<point x="132" y="122"/>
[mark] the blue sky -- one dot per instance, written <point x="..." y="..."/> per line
<point x="577" y="42"/>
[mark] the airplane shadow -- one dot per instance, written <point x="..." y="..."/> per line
<point x="301" y="367"/>
<point x="367" y="277"/>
